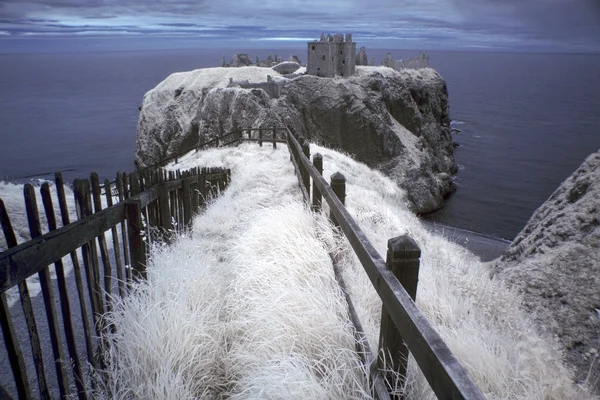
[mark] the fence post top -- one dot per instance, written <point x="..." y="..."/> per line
<point x="403" y="247"/>
<point x="338" y="177"/>
<point x="318" y="156"/>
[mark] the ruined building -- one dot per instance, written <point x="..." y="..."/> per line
<point x="332" y="56"/>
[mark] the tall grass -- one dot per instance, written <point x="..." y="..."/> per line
<point x="245" y="304"/>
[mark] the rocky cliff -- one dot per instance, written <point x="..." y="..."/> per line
<point x="555" y="263"/>
<point x="395" y="121"/>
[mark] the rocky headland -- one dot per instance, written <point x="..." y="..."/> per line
<point x="395" y="121"/>
<point x="555" y="263"/>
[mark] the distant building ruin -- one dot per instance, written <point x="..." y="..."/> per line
<point x="422" y="61"/>
<point x="332" y="56"/>
<point x="272" y="88"/>
<point x="243" y="60"/>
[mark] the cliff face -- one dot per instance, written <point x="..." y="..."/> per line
<point x="555" y="263"/>
<point x="397" y="122"/>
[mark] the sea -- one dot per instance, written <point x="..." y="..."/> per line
<point x="523" y="121"/>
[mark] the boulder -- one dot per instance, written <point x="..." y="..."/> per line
<point x="555" y="263"/>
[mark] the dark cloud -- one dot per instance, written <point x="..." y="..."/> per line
<point x="559" y="24"/>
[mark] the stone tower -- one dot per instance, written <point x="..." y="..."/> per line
<point x="332" y="56"/>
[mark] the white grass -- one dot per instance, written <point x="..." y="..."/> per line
<point x="246" y="305"/>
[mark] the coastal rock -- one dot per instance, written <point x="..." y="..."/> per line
<point x="286" y="67"/>
<point x="555" y="263"/>
<point x="397" y="122"/>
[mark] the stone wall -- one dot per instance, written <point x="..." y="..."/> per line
<point x="272" y="88"/>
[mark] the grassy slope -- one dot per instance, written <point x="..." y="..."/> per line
<point x="246" y="305"/>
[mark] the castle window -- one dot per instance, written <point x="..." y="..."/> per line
<point x="341" y="52"/>
<point x="331" y="58"/>
<point x="323" y="58"/>
<point x="313" y="48"/>
<point x="344" y="62"/>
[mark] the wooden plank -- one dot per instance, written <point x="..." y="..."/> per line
<point x="187" y="205"/>
<point x="64" y="299"/>
<point x="317" y="199"/>
<point x="116" y="246"/>
<point x="64" y="211"/>
<point x="35" y="229"/>
<point x="126" y="187"/>
<point x="442" y="370"/>
<point x="305" y="194"/>
<point x="165" y="211"/>
<point x="79" y="188"/>
<point x="120" y="184"/>
<point x="36" y="349"/>
<point x="134" y="184"/>
<point x="146" y="197"/>
<point x="306" y="175"/>
<point x="28" y="258"/>
<point x="97" y="198"/>
<point x="95" y="264"/>
<point x="133" y="210"/>
<point x="13" y="348"/>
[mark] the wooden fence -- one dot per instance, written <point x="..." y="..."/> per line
<point x="260" y="135"/>
<point x="404" y="329"/>
<point x="149" y="206"/>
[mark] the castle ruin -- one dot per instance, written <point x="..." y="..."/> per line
<point x="332" y="56"/>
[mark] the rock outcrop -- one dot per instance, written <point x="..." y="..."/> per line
<point x="555" y="264"/>
<point x="397" y="122"/>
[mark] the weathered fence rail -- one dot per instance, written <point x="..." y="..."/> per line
<point x="149" y="203"/>
<point x="261" y="135"/>
<point x="404" y="328"/>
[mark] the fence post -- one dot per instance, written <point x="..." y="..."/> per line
<point x="137" y="247"/>
<point x="306" y="176"/>
<point x="317" y="198"/>
<point x="260" y="136"/>
<point x="274" y="138"/>
<point x="338" y="185"/>
<point x="187" y="206"/>
<point x="165" y="209"/>
<point x="403" y="260"/>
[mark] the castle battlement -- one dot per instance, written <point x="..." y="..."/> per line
<point x="332" y="55"/>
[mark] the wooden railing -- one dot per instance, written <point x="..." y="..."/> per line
<point x="404" y="328"/>
<point x="149" y="203"/>
<point x="260" y="135"/>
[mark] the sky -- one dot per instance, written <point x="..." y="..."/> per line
<point x="522" y="25"/>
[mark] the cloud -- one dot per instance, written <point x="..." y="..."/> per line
<point x="562" y="24"/>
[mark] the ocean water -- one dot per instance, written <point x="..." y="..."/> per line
<point x="527" y="120"/>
